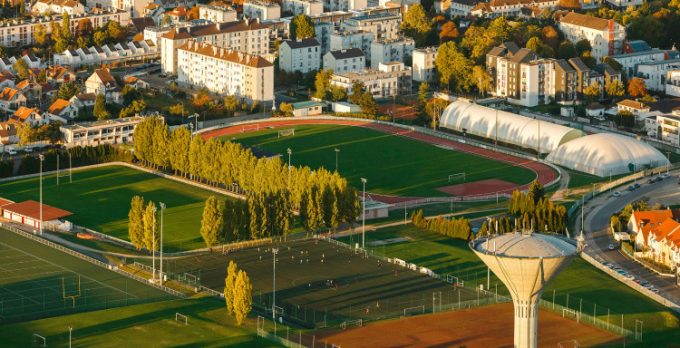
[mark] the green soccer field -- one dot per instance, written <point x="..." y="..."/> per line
<point x="392" y="164"/>
<point x="99" y="199"/>
<point x="580" y="285"/>
<point x="145" y="325"/>
<point x="39" y="281"/>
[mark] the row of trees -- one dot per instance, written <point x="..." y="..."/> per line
<point x="143" y="224"/>
<point x="323" y="198"/>
<point x="238" y="293"/>
<point x="532" y="210"/>
<point x="455" y="228"/>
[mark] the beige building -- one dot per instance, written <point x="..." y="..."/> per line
<point x="382" y="26"/>
<point x="48" y="7"/>
<point x="424" y="69"/>
<point x="217" y="12"/>
<point x="250" y="37"/>
<point x="114" y="131"/>
<point x="389" y="80"/>
<point x="225" y="72"/>
<point x="261" y="10"/>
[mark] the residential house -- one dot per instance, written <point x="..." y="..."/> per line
<point x="605" y="36"/>
<point x="102" y="82"/>
<point x="300" y="55"/>
<point x="28" y="115"/>
<point x="49" y="7"/>
<point x="135" y="82"/>
<point x="62" y="111"/>
<point x="306" y="7"/>
<point x="630" y="61"/>
<point x="510" y="8"/>
<point x="655" y="73"/>
<point x="344" y="5"/>
<point x="11" y="99"/>
<point x="657" y="236"/>
<point x="8" y="133"/>
<point x="83" y="100"/>
<point x="32" y="90"/>
<point x="57" y="74"/>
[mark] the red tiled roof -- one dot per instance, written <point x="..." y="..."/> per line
<point x="632" y="104"/>
<point x="58" y="106"/>
<point x="225" y="54"/>
<point x="32" y="209"/>
<point x="24" y="113"/>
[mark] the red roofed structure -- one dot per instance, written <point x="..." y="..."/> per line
<point x="28" y="212"/>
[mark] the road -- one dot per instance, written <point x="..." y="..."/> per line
<point x="596" y="223"/>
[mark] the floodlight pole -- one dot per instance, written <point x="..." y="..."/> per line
<point x="70" y="330"/>
<point x="274" y="251"/>
<point x="363" y="216"/>
<point x="161" y="246"/>
<point x="42" y="158"/>
<point x="70" y="168"/>
<point x="191" y="136"/>
<point x="337" y="151"/>
<point x="153" y="244"/>
<point x="290" y="152"/>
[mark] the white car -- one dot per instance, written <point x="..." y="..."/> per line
<point x="616" y="194"/>
<point x="28" y="149"/>
<point x="611" y="247"/>
<point x="12" y="152"/>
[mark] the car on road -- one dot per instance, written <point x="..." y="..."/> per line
<point x="654" y="290"/>
<point x="665" y="175"/>
<point x="28" y="149"/>
<point x="636" y="186"/>
<point x="616" y="194"/>
<point x="612" y="247"/>
<point x="12" y="152"/>
<point x="631" y="188"/>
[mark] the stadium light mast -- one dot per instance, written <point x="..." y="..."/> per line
<point x="289" y="152"/>
<point x="363" y="216"/>
<point x="274" y="252"/>
<point x="337" y="151"/>
<point x="153" y="245"/>
<point x="42" y="158"/>
<point x="161" y="245"/>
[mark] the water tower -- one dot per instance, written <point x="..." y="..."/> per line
<point x="525" y="263"/>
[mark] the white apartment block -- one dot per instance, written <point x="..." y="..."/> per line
<point x="342" y="61"/>
<point x="20" y="33"/>
<point x="664" y="127"/>
<point x="389" y="80"/>
<point x="383" y="25"/>
<point x="423" y="66"/>
<point x="630" y="61"/>
<point x="509" y="8"/>
<point x="135" y="7"/>
<point x="654" y="73"/>
<point x="344" y="40"/>
<point x="300" y="55"/>
<point x="537" y="83"/>
<point x="673" y="83"/>
<point x="251" y="37"/>
<point x="394" y="50"/>
<point x="323" y="31"/>
<point x="344" y="5"/>
<point x="217" y="13"/>
<point x="306" y="7"/>
<point x="225" y="72"/>
<point x="261" y="9"/>
<point x="605" y="36"/>
<point x="624" y="3"/>
<point x="462" y="8"/>
<point x="114" y="131"/>
<point x="49" y="7"/>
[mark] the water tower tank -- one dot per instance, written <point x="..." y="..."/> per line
<point x="525" y="263"/>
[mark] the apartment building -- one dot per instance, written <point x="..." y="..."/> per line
<point x="323" y="31"/>
<point x="605" y="36"/>
<point x="665" y="128"/>
<point x="424" y="69"/>
<point x="389" y="80"/>
<point x="630" y="61"/>
<point x="262" y="10"/>
<point x="655" y="73"/>
<point x="566" y="81"/>
<point x="114" y="131"/>
<point x="49" y="7"/>
<point x="306" y="7"/>
<point x="135" y="7"/>
<point x="344" y="40"/>
<point x="382" y="26"/>
<point x="673" y="83"/>
<point x="621" y="4"/>
<point x="225" y="71"/>
<point x="462" y="8"/>
<point x="300" y="55"/>
<point x="250" y="37"/>
<point x="344" y="5"/>
<point x="120" y="52"/>
<point x="498" y="8"/>
<point x="342" y="61"/>
<point x="391" y="50"/>
<point x="217" y="12"/>
<point x="17" y="32"/>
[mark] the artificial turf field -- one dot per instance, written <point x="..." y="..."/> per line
<point x="99" y="199"/>
<point x="31" y="276"/>
<point x="145" y="325"/>
<point x="579" y="285"/>
<point x="392" y="164"/>
<point x="345" y="286"/>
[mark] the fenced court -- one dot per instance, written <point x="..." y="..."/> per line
<point x="38" y="281"/>
<point x="320" y="284"/>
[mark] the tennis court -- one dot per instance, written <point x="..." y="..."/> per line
<point x="38" y="281"/>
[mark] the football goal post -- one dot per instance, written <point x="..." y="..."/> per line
<point x="286" y="132"/>
<point x="352" y="323"/>
<point x="570" y="314"/>
<point x="414" y="310"/>
<point x="568" y="344"/>
<point x="454" y="280"/>
<point x="72" y="294"/>
<point x="39" y="341"/>
<point x="457" y="177"/>
<point x="250" y="128"/>
<point x="181" y="318"/>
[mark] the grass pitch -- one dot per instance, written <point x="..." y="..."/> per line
<point x="99" y="199"/>
<point x="392" y="164"/>
<point x="38" y="281"/>
<point x="312" y="292"/>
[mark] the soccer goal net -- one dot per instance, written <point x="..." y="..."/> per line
<point x="39" y="341"/>
<point x="190" y="278"/>
<point x="286" y="132"/>
<point x="181" y="318"/>
<point x="250" y="128"/>
<point x="352" y="323"/>
<point x="457" y="177"/>
<point x="454" y="280"/>
<point x="568" y="344"/>
<point x="414" y="310"/>
<point x="570" y="314"/>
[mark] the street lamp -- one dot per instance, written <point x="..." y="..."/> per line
<point x="363" y="216"/>
<point x="42" y="158"/>
<point x="289" y="152"/>
<point x="161" y="245"/>
<point x="337" y="151"/>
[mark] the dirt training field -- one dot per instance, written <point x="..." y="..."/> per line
<point x="490" y="326"/>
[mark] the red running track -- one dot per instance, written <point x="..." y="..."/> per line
<point x="544" y="173"/>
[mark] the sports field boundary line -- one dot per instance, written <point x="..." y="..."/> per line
<point x="92" y="260"/>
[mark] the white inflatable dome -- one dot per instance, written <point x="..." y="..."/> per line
<point x="507" y="127"/>
<point x="605" y="154"/>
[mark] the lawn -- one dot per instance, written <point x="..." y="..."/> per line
<point x="99" y="199"/>
<point x="146" y="325"/>
<point x="580" y="280"/>
<point x="392" y="164"/>
<point x="38" y="281"/>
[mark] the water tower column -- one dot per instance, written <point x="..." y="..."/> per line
<point x="526" y="322"/>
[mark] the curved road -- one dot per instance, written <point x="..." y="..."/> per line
<point x="596" y="224"/>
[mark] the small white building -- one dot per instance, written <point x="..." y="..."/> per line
<point x="424" y="69"/>
<point x="624" y="3"/>
<point x="300" y="55"/>
<point x="391" y="50"/>
<point x="217" y="12"/>
<point x="389" y="80"/>
<point x="344" y="5"/>
<point x="351" y="60"/>
<point x="664" y="127"/>
<point x="307" y="108"/>
<point x="345" y="107"/>
<point x="114" y="131"/>
<point x="306" y="7"/>
<point x="605" y="36"/>
<point x="261" y="9"/>
<point x="49" y="7"/>
<point x="29" y="213"/>
<point x="101" y="82"/>
<point x="630" y="61"/>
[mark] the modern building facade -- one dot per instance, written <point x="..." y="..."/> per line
<point x="300" y="55"/>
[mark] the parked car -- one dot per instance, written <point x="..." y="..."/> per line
<point x="616" y="194"/>
<point x="612" y="246"/>
<point x="665" y="175"/>
<point x="631" y="188"/>
<point x="12" y="152"/>
<point x="636" y="186"/>
<point x="28" y="149"/>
